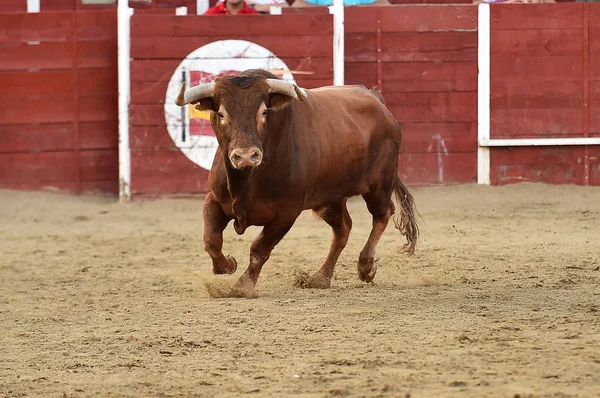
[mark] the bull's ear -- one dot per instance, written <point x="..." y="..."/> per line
<point x="205" y="104"/>
<point x="279" y="101"/>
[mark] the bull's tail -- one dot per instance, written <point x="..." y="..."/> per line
<point x="405" y="221"/>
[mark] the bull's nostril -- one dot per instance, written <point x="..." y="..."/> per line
<point x="254" y="158"/>
<point x="236" y="158"/>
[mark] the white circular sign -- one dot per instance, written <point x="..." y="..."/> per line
<point x="189" y="128"/>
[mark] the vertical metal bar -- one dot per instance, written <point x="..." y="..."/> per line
<point x="201" y="6"/>
<point x="379" y="54"/>
<point x="33" y="6"/>
<point x="123" y="43"/>
<point x="183" y="118"/>
<point x="75" y="71"/>
<point x="586" y="92"/>
<point x="337" y="9"/>
<point x="483" y="94"/>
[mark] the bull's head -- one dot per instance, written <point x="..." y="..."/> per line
<point x="240" y="107"/>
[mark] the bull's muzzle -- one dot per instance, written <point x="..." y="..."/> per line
<point x="242" y="158"/>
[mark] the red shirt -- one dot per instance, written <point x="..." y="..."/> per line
<point x="221" y="9"/>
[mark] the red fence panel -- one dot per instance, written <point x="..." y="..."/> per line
<point x="424" y="59"/>
<point x="58" y="101"/>
<point x="544" y="84"/>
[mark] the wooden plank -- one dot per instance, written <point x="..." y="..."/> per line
<point x="427" y="19"/>
<point x="147" y="115"/>
<point x="162" y="70"/>
<point x="594" y="16"/>
<point x="429" y="76"/>
<point x="281" y="46"/>
<point x="555" y="165"/>
<point x="35" y="56"/>
<point x="410" y="18"/>
<point x="149" y="92"/>
<point x="99" y="135"/>
<point x="433" y="169"/>
<point x="537" y="16"/>
<point x="594" y="67"/>
<point x="165" y="171"/>
<point x="233" y="26"/>
<point x="537" y="42"/>
<point x="37" y="110"/>
<point x="100" y="187"/>
<point x="361" y="73"/>
<point x="98" y="81"/>
<point x="13" y="6"/>
<point x="97" y="25"/>
<point x="594" y="40"/>
<point x="57" y="5"/>
<point x="433" y="107"/>
<point x="439" y="137"/>
<point x="25" y="27"/>
<point x="561" y="68"/>
<point x="525" y="92"/>
<point x="97" y="54"/>
<point x="44" y="167"/>
<point x="152" y="71"/>
<point x="360" y="19"/>
<point x="150" y="138"/>
<point x="524" y="123"/>
<point x="36" y="138"/>
<point x="98" y="108"/>
<point x="36" y="84"/>
<point x="360" y="47"/>
<point x="99" y="165"/>
<point x="432" y="46"/>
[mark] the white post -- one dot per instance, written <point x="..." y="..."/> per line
<point x="123" y="43"/>
<point x="33" y="6"/>
<point x="201" y="6"/>
<point x="337" y="9"/>
<point x="483" y="94"/>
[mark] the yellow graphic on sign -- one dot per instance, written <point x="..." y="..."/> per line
<point x="198" y="114"/>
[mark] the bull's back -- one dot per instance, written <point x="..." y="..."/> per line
<point x="348" y="125"/>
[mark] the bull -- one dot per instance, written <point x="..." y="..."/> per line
<point x="283" y="149"/>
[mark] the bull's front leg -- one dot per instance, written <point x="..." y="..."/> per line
<point x="260" y="251"/>
<point x="215" y="221"/>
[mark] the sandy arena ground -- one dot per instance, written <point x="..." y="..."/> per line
<point x="502" y="299"/>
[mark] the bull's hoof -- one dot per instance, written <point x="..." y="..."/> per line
<point x="367" y="268"/>
<point x="226" y="269"/>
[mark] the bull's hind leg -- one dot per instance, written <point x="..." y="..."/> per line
<point x="215" y="221"/>
<point x="337" y="216"/>
<point x="380" y="205"/>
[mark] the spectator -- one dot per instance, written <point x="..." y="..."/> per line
<point x="231" y="7"/>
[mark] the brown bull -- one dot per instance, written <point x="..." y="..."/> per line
<point x="283" y="150"/>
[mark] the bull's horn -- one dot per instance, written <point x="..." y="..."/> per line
<point x="196" y="93"/>
<point x="287" y="88"/>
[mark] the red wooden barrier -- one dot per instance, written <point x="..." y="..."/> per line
<point x="424" y="59"/>
<point x="544" y="84"/>
<point x="58" y="101"/>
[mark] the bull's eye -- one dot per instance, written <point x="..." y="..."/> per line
<point x="265" y="112"/>
<point x="221" y="116"/>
